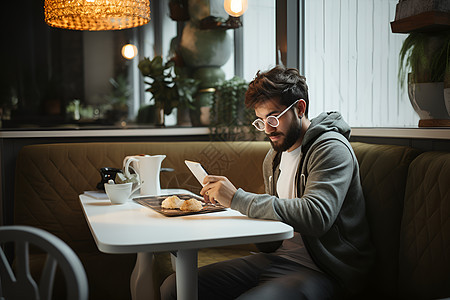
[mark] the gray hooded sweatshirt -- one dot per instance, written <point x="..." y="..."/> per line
<point x="330" y="212"/>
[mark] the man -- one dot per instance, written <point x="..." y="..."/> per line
<point x="311" y="177"/>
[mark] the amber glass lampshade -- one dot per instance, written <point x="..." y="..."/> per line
<point x="97" y="14"/>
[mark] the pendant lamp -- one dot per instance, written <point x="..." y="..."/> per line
<point x="235" y="8"/>
<point x="97" y="15"/>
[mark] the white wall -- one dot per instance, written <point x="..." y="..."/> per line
<point x="351" y="62"/>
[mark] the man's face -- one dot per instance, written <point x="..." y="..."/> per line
<point x="286" y="136"/>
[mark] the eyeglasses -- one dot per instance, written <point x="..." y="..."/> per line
<point x="271" y="120"/>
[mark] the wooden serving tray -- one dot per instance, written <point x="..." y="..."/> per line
<point x="154" y="202"/>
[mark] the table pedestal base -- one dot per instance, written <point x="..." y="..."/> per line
<point x="141" y="282"/>
<point x="186" y="269"/>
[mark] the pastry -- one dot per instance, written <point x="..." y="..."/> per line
<point x="191" y="205"/>
<point x="172" y="202"/>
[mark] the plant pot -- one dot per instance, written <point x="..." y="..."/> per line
<point x="179" y="11"/>
<point x="428" y="101"/>
<point x="183" y="116"/>
<point x="447" y="99"/>
<point x="151" y="114"/>
<point x="200" y="115"/>
<point x="160" y="118"/>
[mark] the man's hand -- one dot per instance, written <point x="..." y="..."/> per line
<point x="218" y="189"/>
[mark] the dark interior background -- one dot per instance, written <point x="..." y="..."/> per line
<point x="42" y="66"/>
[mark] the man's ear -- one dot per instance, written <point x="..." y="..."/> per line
<point x="301" y="107"/>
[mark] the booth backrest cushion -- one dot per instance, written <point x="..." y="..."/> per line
<point x="407" y="195"/>
<point x="49" y="178"/>
<point x="425" y="229"/>
<point x="383" y="171"/>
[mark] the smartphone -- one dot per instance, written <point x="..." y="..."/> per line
<point x="196" y="169"/>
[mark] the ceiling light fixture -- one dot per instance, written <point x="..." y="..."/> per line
<point x="97" y="15"/>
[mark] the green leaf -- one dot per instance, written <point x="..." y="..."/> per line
<point x="426" y="55"/>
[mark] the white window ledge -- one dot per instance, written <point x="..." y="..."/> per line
<point x="410" y="133"/>
<point x="123" y="132"/>
<point x="415" y="133"/>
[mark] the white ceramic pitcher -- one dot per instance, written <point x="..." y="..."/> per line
<point x="147" y="167"/>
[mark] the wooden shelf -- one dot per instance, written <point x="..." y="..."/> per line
<point x="426" y="22"/>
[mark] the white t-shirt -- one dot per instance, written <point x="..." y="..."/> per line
<point x="294" y="248"/>
<point x="288" y="169"/>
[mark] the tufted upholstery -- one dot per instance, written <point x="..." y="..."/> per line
<point x="50" y="177"/>
<point x="383" y="171"/>
<point x="425" y="229"/>
<point x="407" y="196"/>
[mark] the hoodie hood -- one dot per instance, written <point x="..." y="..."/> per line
<point x="327" y="121"/>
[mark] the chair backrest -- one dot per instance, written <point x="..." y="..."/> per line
<point x="17" y="282"/>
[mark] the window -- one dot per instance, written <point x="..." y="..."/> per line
<point x="344" y="47"/>
<point x="351" y="62"/>
<point x="259" y="49"/>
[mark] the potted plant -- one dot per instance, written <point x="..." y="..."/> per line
<point x="229" y="116"/>
<point x="169" y="85"/>
<point x="426" y="55"/>
<point x="186" y="89"/>
<point x="118" y="99"/>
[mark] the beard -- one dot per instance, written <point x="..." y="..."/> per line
<point x="290" y="138"/>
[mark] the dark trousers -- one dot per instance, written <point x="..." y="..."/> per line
<point x="260" y="276"/>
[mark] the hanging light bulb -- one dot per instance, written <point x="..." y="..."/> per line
<point x="97" y="14"/>
<point x="129" y="51"/>
<point x="235" y="8"/>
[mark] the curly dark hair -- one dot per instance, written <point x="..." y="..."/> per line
<point x="286" y="84"/>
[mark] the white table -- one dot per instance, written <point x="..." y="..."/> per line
<point x="133" y="228"/>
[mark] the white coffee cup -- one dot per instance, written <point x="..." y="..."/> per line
<point x="118" y="193"/>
